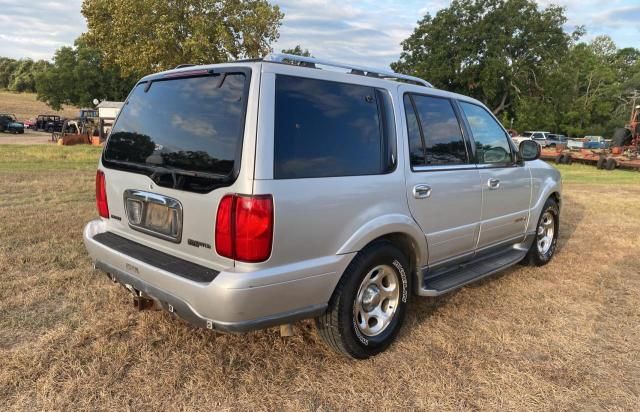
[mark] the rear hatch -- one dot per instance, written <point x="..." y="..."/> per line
<point x="174" y="152"/>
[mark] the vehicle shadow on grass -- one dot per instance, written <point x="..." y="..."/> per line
<point x="421" y="309"/>
<point x="571" y="217"/>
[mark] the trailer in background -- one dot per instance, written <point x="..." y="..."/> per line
<point x="107" y="113"/>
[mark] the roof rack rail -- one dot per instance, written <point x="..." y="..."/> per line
<point x="180" y="66"/>
<point x="360" y="70"/>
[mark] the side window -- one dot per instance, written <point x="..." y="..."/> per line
<point x="416" y="145"/>
<point x="492" y="144"/>
<point x="440" y="131"/>
<point x="325" y="128"/>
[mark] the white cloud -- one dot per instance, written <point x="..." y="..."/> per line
<point x="37" y="28"/>
<point x="367" y="32"/>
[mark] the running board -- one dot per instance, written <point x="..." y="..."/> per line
<point x="440" y="282"/>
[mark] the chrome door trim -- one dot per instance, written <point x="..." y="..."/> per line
<point x="435" y="168"/>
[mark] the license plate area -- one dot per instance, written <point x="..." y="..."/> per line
<point x="154" y="214"/>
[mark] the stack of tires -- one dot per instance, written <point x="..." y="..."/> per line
<point x="606" y="163"/>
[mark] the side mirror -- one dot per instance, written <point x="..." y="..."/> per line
<point x="529" y="150"/>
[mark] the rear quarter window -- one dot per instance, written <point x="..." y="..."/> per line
<point x="325" y="129"/>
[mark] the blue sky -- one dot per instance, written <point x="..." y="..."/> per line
<point x="364" y="31"/>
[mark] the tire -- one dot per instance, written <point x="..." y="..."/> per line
<point x="559" y="159"/>
<point x="610" y="164"/>
<point x="544" y="244"/>
<point x="567" y="159"/>
<point x="344" y="326"/>
<point x="600" y="163"/>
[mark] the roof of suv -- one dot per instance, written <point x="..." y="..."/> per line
<point x="308" y="63"/>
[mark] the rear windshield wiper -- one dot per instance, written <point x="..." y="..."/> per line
<point x="157" y="171"/>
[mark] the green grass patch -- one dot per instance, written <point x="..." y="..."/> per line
<point x="580" y="173"/>
<point x="17" y="158"/>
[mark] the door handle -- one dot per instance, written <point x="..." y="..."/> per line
<point x="493" y="183"/>
<point x="421" y="191"/>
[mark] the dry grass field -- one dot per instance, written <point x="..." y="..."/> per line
<point x="562" y="337"/>
<point x="26" y="106"/>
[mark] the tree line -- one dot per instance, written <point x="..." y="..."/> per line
<point x="517" y="59"/>
<point x="513" y="55"/>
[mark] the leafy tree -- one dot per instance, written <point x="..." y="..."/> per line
<point x="7" y="67"/>
<point x="19" y="75"/>
<point x="144" y="36"/>
<point x="298" y="51"/>
<point x="79" y="75"/>
<point x="23" y="78"/>
<point x="493" y="50"/>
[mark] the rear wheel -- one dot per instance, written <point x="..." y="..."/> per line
<point x="546" y="237"/>
<point x="611" y="164"/>
<point x="601" y="162"/>
<point x="369" y="304"/>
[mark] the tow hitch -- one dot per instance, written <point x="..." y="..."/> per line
<point x="140" y="301"/>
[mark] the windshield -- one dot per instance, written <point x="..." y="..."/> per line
<point x="185" y="124"/>
<point x="527" y="134"/>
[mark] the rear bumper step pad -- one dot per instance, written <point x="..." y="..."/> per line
<point x="172" y="264"/>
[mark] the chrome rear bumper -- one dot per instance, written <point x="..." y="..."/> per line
<point x="232" y="301"/>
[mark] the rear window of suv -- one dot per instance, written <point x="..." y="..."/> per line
<point x="327" y="129"/>
<point x="184" y="132"/>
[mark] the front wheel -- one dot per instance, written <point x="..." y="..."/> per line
<point x="369" y="304"/>
<point x="546" y="237"/>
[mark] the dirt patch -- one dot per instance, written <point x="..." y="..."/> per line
<point x="29" y="137"/>
<point x="26" y="106"/>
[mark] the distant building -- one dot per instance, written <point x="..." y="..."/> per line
<point x="107" y="113"/>
<point x="108" y="110"/>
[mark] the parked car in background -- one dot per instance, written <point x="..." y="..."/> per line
<point x="536" y="136"/>
<point x="29" y="123"/>
<point x="9" y="124"/>
<point x="49" y="123"/>
<point x="88" y="114"/>
<point x="589" y="142"/>
<point x="554" y="140"/>
<point x="252" y="194"/>
<point x="596" y="142"/>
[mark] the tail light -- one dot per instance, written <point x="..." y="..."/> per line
<point x="101" y="195"/>
<point x="244" y="227"/>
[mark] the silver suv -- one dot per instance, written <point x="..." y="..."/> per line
<point x="253" y="194"/>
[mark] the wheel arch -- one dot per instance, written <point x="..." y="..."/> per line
<point x="555" y="195"/>
<point x="400" y="231"/>
<point x="397" y="228"/>
<point x="546" y="183"/>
